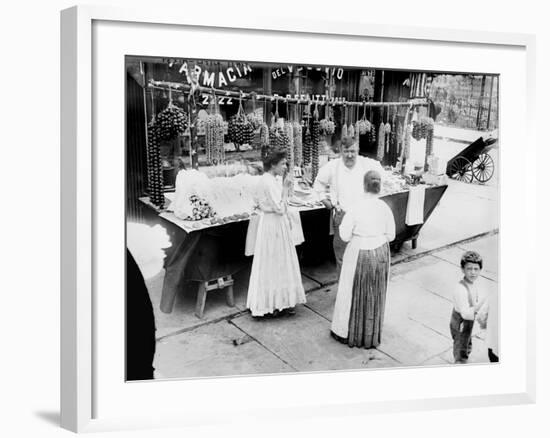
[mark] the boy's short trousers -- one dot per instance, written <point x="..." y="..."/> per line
<point x="461" y="332"/>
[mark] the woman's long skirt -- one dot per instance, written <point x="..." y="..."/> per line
<point x="275" y="279"/>
<point x="359" y="310"/>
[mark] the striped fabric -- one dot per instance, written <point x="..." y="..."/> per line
<point x="369" y="297"/>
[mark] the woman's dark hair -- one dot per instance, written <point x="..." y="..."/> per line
<point x="471" y="257"/>
<point x="273" y="158"/>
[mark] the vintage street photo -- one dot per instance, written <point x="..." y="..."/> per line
<point x="290" y="218"/>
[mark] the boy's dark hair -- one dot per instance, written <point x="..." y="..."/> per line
<point x="273" y="157"/>
<point x="471" y="257"/>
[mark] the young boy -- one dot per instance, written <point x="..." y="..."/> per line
<point x="468" y="306"/>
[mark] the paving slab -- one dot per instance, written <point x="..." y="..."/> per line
<point x="183" y="315"/>
<point x="438" y="360"/>
<point x="410" y="342"/>
<point x="439" y="277"/>
<point x="402" y="269"/>
<point x="478" y="354"/>
<point x="209" y="351"/>
<point x="322" y="301"/>
<point x="309" y="284"/>
<point x="322" y="274"/>
<point x="303" y="341"/>
<point x="487" y="247"/>
<point x="406" y="301"/>
<point x="475" y="207"/>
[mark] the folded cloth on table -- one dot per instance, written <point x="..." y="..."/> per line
<point x="415" y="205"/>
<point x="295" y="226"/>
<point x="251" y="234"/>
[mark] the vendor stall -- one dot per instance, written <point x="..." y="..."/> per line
<point x="203" y="252"/>
<point x="206" y="138"/>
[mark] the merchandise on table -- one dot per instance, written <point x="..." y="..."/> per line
<point x="303" y="195"/>
<point x="392" y="183"/>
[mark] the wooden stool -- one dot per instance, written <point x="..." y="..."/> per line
<point x="225" y="282"/>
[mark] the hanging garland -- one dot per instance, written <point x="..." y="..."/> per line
<point x="327" y="125"/>
<point x="381" y="141"/>
<point x="407" y="142"/>
<point x="254" y="117"/>
<point x="155" y="180"/>
<point x="351" y="127"/>
<point x="307" y="144"/>
<point x="289" y="144"/>
<point x="297" y="130"/>
<point x="154" y="165"/>
<point x="345" y="122"/>
<point x="316" y="146"/>
<point x="387" y="131"/>
<point x="363" y="126"/>
<point x="428" y="124"/>
<point x="214" y="134"/>
<point x="278" y="138"/>
<point x="171" y="121"/>
<point x="240" y="129"/>
<point x="372" y="132"/>
<point x="393" y="137"/>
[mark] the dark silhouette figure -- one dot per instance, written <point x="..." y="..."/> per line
<point x="140" y="324"/>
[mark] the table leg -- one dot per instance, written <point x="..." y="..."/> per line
<point x="201" y="299"/>
<point x="414" y="243"/>
<point x="229" y="296"/>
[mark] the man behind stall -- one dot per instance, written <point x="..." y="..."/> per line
<point x="340" y="186"/>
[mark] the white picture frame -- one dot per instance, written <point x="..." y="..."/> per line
<point x="83" y="181"/>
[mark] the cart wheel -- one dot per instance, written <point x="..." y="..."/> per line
<point x="461" y="170"/>
<point x="483" y="168"/>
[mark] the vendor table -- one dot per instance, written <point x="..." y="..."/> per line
<point x="204" y="252"/>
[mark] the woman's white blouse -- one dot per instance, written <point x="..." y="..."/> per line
<point x="371" y="221"/>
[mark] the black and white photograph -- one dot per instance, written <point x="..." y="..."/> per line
<point x="298" y="218"/>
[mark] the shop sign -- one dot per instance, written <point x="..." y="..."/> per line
<point x="338" y="73"/>
<point x="312" y="98"/>
<point x="220" y="79"/>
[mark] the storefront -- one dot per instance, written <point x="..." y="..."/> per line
<point x="197" y="131"/>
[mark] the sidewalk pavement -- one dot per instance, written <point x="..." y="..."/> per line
<point x="418" y="303"/>
<point x="415" y="333"/>
<point x="466" y="211"/>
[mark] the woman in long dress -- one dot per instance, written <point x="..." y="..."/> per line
<point x="359" y="309"/>
<point x="275" y="281"/>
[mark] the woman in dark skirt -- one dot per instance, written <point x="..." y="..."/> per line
<point x="359" y="310"/>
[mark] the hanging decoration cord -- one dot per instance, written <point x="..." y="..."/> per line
<point x="183" y="88"/>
